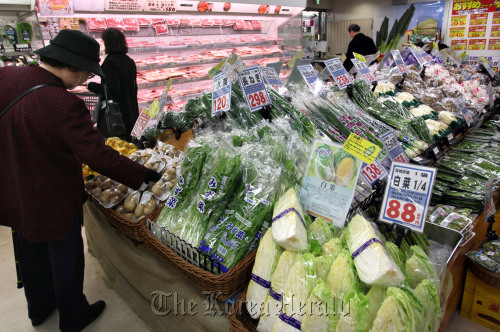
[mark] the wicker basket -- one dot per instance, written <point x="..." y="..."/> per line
<point x="223" y="285"/>
<point x="130" y="228"/>
<point x="483" y="274"/>
<point x="239" y="318"/>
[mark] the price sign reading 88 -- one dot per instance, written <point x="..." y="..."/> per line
<point x="373" y="172"/>
<point x="407" y="195"/>
<point x="338" y="72"/>
<point x="254" y="88"/>
<point x="221" y="94"/>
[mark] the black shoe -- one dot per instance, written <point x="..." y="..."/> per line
<point x="95" y="311"/>
<point x="39" y="321"/>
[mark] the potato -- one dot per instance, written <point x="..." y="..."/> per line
<point x="101" y="178"/>
<point x="139" y="211"/>
<point x="159" y="188"/>
<point x="131" y="203"/>
<point x="107" y="185"/>
<point x="123" y="188"/>
<point x="129" y="215"/>
<point x="147" y="211"/>
<point x="105" y="197"/>
<point x="121" y="209"/>
<point x="169" y="185"/>
<point x="96" y="192"/>
<point x="151" y="205"/>
<point x="169" y="174"/>
<point x="116" y="196"/>
<point x="148" y="165"/>
<point x="91" y="185"/>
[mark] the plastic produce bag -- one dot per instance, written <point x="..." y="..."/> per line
<point x="322" y="310"/>
<point x="395" y="313"/>
<point x="333" y="247"/>
<point x="428" y="295"/>
<point x="355" y="316"/>
<point x="320" y="231"/>
<point x="342" y="277"/>
<point x="289" y="228"/>
<point x="266" y="260"/>
<point x="419" y="267"/>
<point x="373" y="264"/>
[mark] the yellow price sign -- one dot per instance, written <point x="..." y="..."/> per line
<point x="463" y="55"/>
<point x="154" y="108"/>
<point x="460" y="20"/>
<point x="361" y="148"/>
<point x="216" y="68"/>
<point x="457" y="32"/>
<point x="359" y="57"/>
<point x="435" y="45"/>
<point x="299" y="55"/>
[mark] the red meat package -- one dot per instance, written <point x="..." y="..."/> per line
<point x="144" y="22"/>
<point x="185" y="22"/>
<point x="173" y="22"/>
<point x="157" y="20"/>
<point x="218" y="22"/>
<point x="116" y="22"/>
<point x="196" y="23"/>
<point x="130" y="24"/>
<point x="96" y="24"/>
<point x="256" y="25"/>
<point x="239" y="25"/>
<point x="207" y="23"/>
<point x="228" y="23"/>
<point x="248" y="25"/>
<point x="161" y="29"/>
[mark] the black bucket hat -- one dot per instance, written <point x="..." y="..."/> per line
<point x="74" y="48"/>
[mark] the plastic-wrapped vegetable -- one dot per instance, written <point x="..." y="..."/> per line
<point x="376" y="294"/>
<point x="333" y="247"/>
<point x="428" y="295"/>
<point x="323" y="265"/>
<point x="322" y="310"/>
<point x="419" y="267"/>
<point x="342" y="277"/>
<point x="355" y="316"/>
<point x="266" y="260"/>
<point x="395" y="313"/>
<point x="396" y="254"/>
<point x="374" y="265"/>
<point x="289" y="228"/>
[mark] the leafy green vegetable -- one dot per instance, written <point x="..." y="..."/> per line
<point x="355" y="316"/>
<point x="319" y="230"/>
<point x="395" y="313"/>
<point x="322" y="310"/>
<point x="419" y="267"/>
<point x="342" y="277"/>
<point x="428" y="296"/>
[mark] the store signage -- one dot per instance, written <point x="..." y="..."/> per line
<point x="451" y="139"/>
<point x="489" y="204"/>
<point x="426" y="56"/>
<point x="496" y="18"/>
<point x="254" y="88"/>
<point x="392" y="146"/>
<point x="477" y="31"/>
<point x="359" y="57"/>
<point x="459" y="45"/>
<point x="437" y="152"/>
<point x="337" y="70"/>
<point x="487" y="66"/>
<point x="494" y="44"/>
<point x="124" y="5"/>
<point x="458" y="20"/>
<point x="495" y="31"/>
<point x="467" y="115"/>
<point x="464" y="7"/>
<point x="457" y="32"/>
<point x="365" y="72"/>
<point x="398" y="60"/>
<point x="477" y="44"/>
<point x="297" y="56"/>
<point x="478" y="19"/>
<point x="311" y="78"/>
<point x="361" y="148"/>
<point x="22" y="47"/>
<point x="162" y="6"/>
<point x="419" y="56"/>
<point x="221" y="94"/>
<point x="373" y="172"/>
<point x="324" y="192"/>
<point x="407" y="195"/>
<point x="141" y="123"/>
<point x="272" y="78"/>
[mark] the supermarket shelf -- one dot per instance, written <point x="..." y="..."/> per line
<point x="174" y="81"/>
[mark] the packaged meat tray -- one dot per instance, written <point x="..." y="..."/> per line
<point x="218" y="22"/>
<point x="157" y="21"/>
<point x="161" y="29"/>
<point x="185" y="22"/>
<point x="196" y="23"/>
<point x="256" y="25"/>
<point x="96" y="24"/>
<point x="239" y="25"/>
<point x="144" y="22"/>
<point x="130" y="24"/>
<point x="115" y="22"/>
<point x="228" y="23"/>
<point x="207" y="23"/>
<point x="248" y="25"/>
<point x="174" y="22"/>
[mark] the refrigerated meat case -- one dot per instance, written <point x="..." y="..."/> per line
<point x="185" y="45"/>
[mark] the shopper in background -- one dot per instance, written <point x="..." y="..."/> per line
<point x="46" y="135"/>
<point x="360" y="44"/>
<point x="120" y="75"/>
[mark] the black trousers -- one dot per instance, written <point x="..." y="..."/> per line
<point x="52" y="274"/>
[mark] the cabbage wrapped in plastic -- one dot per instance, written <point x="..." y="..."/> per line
<point x="396" y="254"/>
<point x="376" y="294"/>
<point x="266" y="260"/>
<point x="428" y="295"/>
<point x="323" y="265"/>
<point x="299" y="285"/>
<point x="289" y="229"/>
<point x="342" y="277"/>
<point x="319" y="230"/>
<point x="322" y="310"/>
<point x="273" y="305"/>
<point x="419" y="267"/>
<point x="373" y="263"/>
<point x="395" y="313"/>
<point x="332" y="247"/>
<point x="355" y="314"/>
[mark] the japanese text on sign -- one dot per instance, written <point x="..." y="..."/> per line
<point x="310" y="76"/>
<point x="407" y="195"/>
<point x="124" y="5"/>
<point x="420" y="58"/>
<point x="372" y="173"/>
<point x="221" y="95"/>
<point x="462" y="7"/>
<point x="361" y="148"/>
<point x="160" y="6"/>
<point x="337" y="70"/>
<point x="365" y="72"/>
<point x="392" y="146"/>
<point x="272" y="78"/>
<point x="141" y="123"/>
<point x="399" y="61"/>
<point x="254" y="88"/>
<point x="467" y="115"/>
<point x="487" y="66"/>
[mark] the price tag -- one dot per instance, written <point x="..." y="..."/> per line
<point x="372" y="173"/>
<point x="297" y="56"/>
<point x="2" y="49"/>
<point x="312" y="79"/>
<point x="221" y="94"/>
<point x="437" y="152"/>
<point x="407" y="195"/>
<point x="467" y="115"/>
<point x="392" y="146"/>
<point x="359" y="57"/>
<point x="399" y="61"/>
<point x="254" y="88"/>
<point x="489" y="204"/>
<point x="487" y="66"/>
<point x="416" y="53"/>
<point x="365" y="72"/>
<point x="141" y="123"/>
<point x="337" y="70"/>
<point x="22" y="47"/>
<point x="451" y="139"/>
<point x="361" y="148"/>
<point x="272" y="78"/>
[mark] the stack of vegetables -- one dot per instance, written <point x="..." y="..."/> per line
<point x="386" y="42"/>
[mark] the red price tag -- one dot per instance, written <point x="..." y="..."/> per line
<point x="406" y="212"/>
<point x="220" y="103"/>
<point x="369" y="77"/>
<point x="401" y="158"/>
<point x="373" y="172"/>
<point x="343" y="80"/>
<point x="402" y="69"/>
<point x="257" y="99"/>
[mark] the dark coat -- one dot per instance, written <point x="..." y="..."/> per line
<point x="44" y="139"/>
<point x="360" y="44"/>
<point x="120" y="76"/>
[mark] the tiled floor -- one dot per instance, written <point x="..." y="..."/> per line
<point x="117" y="317"/>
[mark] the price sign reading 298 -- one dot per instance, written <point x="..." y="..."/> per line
<point x="338" y="72"/>
<point x="254" y="88"/>
<point x="407" y="195"/>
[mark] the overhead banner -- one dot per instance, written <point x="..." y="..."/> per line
<point x="461" y="7"/>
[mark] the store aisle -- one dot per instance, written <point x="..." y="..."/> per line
<point x="116" y="317"/>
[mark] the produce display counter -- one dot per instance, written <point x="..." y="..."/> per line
<point x="149" y="285"/>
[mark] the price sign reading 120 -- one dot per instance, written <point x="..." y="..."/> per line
<point x="338" y="72"/>
<point x="407" y="195"/>
<point x="221" y="94"/>
<point x="365" y="72"/>
<point x="254" y="88"/>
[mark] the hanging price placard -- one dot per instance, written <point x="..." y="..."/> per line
<point x="467" y="115"/>
<point x="221" y="94"/>
<point x="437" y="152"/>
<point x="254" y="88"/>
<point x="141" y="123"/>
<point x="399" y="61"/>
<point x="272" y="78"/>
<point x="365" y="72"/>
<point x="372" y="173"/>
<point x="392" y="146"/>
<point x="420" y="58"/>
<point x="337" y="70"/>
<point x="312" y="79"/>
<point x="359" y="57"/>
<point x="22" y="47"/>
<point x="487" y="66"/>
<point x="361" y="148"/>
<point x="407" y="195"/>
